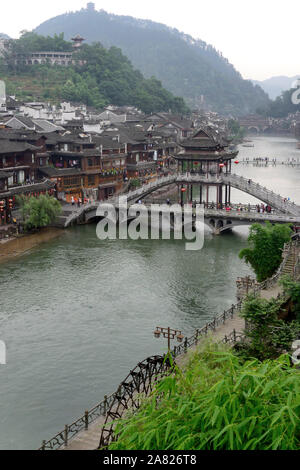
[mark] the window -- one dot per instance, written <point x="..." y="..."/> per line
<point x="90" y="162"/>
<point x="91" y="180"/>
<point x="21" y="177"/>
<point x="72" y="181"/>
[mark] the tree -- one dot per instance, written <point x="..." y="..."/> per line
<point x="291" y="290"/>
<point x="264" y="252"/>
<point x="267" y="336"/>
<point x="106" y="77"/>
<point x="39" y="211"/>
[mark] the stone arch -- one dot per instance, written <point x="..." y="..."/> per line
<point x="253" y="129"/>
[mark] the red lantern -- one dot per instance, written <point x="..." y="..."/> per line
<point x="183" y="190"/>
<point x="196" y="163"/>
<point x="236" y="162"/>
<point x="221" y="165"/>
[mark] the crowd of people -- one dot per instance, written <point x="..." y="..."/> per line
<point x="80" y="201"/>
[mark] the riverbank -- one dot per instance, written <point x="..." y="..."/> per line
<point x="17" y="246"/>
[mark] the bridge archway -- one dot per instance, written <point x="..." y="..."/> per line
<point x="253" y="129"/>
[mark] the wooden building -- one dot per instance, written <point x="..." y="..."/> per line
<point x="209" y="156"/>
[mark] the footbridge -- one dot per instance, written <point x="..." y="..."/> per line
<point x="219" y="220"/>
<point x="256" y="190"/>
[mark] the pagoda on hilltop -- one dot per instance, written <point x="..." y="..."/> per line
<point x="206" y="154"/>
<point x="77" y="42"/>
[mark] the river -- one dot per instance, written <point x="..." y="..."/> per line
<point x="78" y="313"/>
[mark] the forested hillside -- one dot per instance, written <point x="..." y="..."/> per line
<point x="285" y="104"/>
<point x="107" y="77"/>
<point x="187" y="67"/>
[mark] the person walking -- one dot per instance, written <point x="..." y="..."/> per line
<point x="73" y="201"/>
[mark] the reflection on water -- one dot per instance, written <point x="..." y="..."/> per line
<point x="77" y="313"/>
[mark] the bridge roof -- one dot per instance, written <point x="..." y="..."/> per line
<point x="206" y="156"/>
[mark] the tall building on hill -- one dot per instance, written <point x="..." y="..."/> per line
<point x="90" y="6"/>
<point x="2" y="96"/>
<point x="77" y="41"/>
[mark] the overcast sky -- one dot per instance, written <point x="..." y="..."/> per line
<point x="259" y="37"/>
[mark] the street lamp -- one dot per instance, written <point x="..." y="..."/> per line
<point x="169" y="334"/>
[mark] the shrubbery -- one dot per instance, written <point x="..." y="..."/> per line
<point x="218" y="403"/>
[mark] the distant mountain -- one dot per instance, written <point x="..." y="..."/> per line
<point x="274" y="86"/>
<point x="187" y="67"/>
<point x="4" y="36"/>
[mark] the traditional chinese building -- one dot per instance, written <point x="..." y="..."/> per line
<point x="207" y="155"/>
<point x="85" y="167"/>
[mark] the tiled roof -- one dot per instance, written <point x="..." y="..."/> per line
<point x="58" y="172"/>
<point x="7" y="146"/>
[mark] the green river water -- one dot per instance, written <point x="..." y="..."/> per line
<point x="77" y="313"/>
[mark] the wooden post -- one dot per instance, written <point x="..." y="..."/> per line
<point x="234" y="336"/>
<point x="185" y="345"/>
<point x="66" y="434"/>
<point x="105" y="404"/>
<point x="86" y="420"/>
<point x="197" y="333"/>
<point x="44" y="445"/>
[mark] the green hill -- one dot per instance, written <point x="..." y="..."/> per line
<point x="187" y="67"/>
<point x="106" y="78"/>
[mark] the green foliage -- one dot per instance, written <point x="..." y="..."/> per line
<point x="39" y="211"/>
<point x="135" y="183"/>
<point x="237" y="132"/>
<point x="265" y="244"/>
<point x="218" y="403"/>
<point x="281" y="107"/>
<point x="266" y="336"/>
<point x="31" y="42"/>
<point x="292" y="290"/>
<point x="107" y="77"/>
<point x="186" y="67"/>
